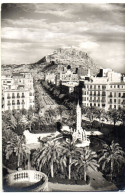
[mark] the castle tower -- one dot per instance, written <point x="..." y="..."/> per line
<point x="78" y="118"/>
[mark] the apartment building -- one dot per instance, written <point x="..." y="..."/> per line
<point x="103" y="92"/>
<point x="17" y="91"/>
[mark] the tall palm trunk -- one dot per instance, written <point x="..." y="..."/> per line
<point x="51" y="167"/>
<point x="18" y="161"/>
<point x="111" y="169"/>
<point x="30" y="126"/>
<point x="29" y="161"/>
<point x="70" y="167"/>
<point x="84" y="175"/>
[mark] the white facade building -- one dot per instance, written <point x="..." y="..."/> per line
<point x="17" y="91"/>
<point x="104" y="92"/>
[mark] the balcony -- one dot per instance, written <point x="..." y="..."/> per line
<point x="26" y="181"/>
<point x="13" y="103"/>
<point x="13" y="96"/>
<point x="103" y="94"/>
<point x="18" y="103"/>
<point x="9" y="104"/>
<point x="8" y="97"/>
<point x="22" y="96"/>
<point x="18" y="96"/>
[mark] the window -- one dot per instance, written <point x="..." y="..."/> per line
<point x="84" y="99"/>
<point x="110" y="86"/>
<point x="119" y="95"/>
<point x="18" y="102"/>
<point x="115" y="106"/>
<point x="8" y="96"/>
<point x="22" y="95"/>
<point x="118" y="86"/>
<point x="18" y="95"/>
<point x="114" y="94"/>
<point x="98" y="105"/>
<point x="30" y="94"/>
<point x="94" y="104"/>
<point x="119" y="101"/>
<point x="103" y="87"/>
<point x="103" y="93"/>
<point x="110" y="106"/>
<point x="114" y="100"/>
<point x="103" y="105"/>
<point x="13" y="102"/>
<point x="9" y="103"/>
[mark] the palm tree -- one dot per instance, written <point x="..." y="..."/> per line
<point x="7" y="134"/>
<point x="86" y="158"/>
<point x="49" y="155"/>
<point x="17" y="146"/>
<point x="111" y="155"/>
<point x="31" y="118"/>
<point x="70" y="151"/>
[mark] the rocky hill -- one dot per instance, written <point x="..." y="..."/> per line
<point x="52" y="62"/>
<point x="68" y="56"/>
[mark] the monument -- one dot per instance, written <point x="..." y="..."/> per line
<point x="79" y="135"/>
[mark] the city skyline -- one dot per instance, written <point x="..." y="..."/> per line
<point x="31" y="31"/>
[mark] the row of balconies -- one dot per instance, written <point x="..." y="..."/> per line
<point x="116" y="102"/>
<point x="96" y="88"/>
<point x="111" y="96"/>
<point x="103" y="101"/>
<point x="97" y="94"/>
<point x="9" y="97"/>
<point x="18" y="103"/>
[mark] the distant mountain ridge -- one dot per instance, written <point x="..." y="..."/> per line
<point x="60" y="57"/>
<point x="68" y="56"/>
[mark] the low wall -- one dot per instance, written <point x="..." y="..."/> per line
<point x="38" y="180"/>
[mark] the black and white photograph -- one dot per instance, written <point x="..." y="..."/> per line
<point x="63" y="97"/>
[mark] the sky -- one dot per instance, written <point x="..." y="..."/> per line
<point x="32" y="30"/>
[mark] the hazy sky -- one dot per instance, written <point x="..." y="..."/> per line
<point x="30" y="31"/>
